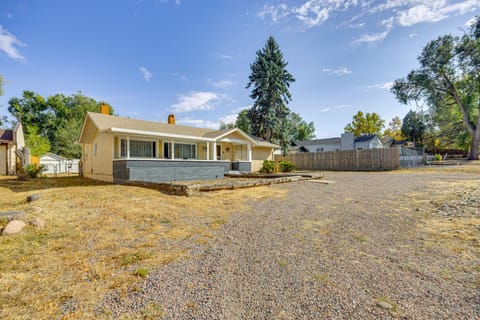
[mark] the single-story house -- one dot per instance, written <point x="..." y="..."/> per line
<point x="346" y="142"/>
<point x="368" y="141"/>
<point x="55" y="164"/>
<point x="12" y="144"/>
<point x="121" y="149"/>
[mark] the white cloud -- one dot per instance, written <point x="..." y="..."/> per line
<point x="470" y="22"/>
<point x="9" y="44"/>
<point x="339" y="72"/>
<point x="147" y="75"/>
<point x="340" y="106"/>
<point x="225" y="56"/>
<point x="229" y="118"/>
<point x="195" y="101"/>
<point x="276" y="12"/>
<point x="199" y="123"/>
<point x="412" y="35"/>
<point x="417" y="14"/>
<point x="372" y="38"/>
<point x="403" y="13"/>
<point x="220" y="84"/>
<point x="382" y="86"/>
<point x="9" y="15"/>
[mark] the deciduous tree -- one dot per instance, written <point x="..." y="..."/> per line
<point x="449" y="75"/>
<point x="394" y="129"/>
<point x="370" y="123"/>
<point x="414" y="126"/>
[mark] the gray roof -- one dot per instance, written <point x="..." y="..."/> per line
<point x="329" y="141"/>
<point x="6" y="135"/>
<point x="53" y="155"/>
<point x="104" y="122"/>
<point x="365" y="137"/>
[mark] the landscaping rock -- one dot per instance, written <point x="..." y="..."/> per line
<point x="37" y="223"/>
<point x="33" y="197"/>
<point x="14" y="226"/>
<point x="384" y="305"/>
<point x="11" y="213"/>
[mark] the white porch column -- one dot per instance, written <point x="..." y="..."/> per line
<point x="113" y="147"/>
<point x="173" y="150"/>
<point x="249" y="152"/>
<point x="214" y="151"/>
<point x="128" y="147"/>
<point x="207" y="144"/>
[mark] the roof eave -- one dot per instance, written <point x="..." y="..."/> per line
<point x="158" y="134"/>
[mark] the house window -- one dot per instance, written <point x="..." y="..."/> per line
<point x="167" y="150"/>
<point x="142" y="149"/>
<point x="185" y="151"/>
<point x="123" y="148"/>
<point x="181" y="150"/>
<point x="138" y="148"/>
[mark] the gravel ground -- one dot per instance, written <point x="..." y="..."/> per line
<point x="325" y="251"/>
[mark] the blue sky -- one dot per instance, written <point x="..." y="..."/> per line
<point x="192" y="58"/>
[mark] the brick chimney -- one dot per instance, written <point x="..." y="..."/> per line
<point x="171" y="119"/>
<point x="104" y="109"/>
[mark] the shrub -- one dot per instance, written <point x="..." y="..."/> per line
<point x="438" y="157"/>
<point x="141" y="272"/>
<point x="268" y="166"/>
<point x="34" y="170"/>
<point x="286" y="166"/>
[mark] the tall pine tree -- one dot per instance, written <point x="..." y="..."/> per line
<point x="270" y="81"/>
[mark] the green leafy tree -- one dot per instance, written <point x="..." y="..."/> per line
<point x="394" y="129"/>
<point x="301" y="129"/>
<point x="271" y="81"/>
<point x="243" y="122"/>
<point x="37" y="144"/>
<point x="32" y="111"/>
<point x="449" y="75"/>
<point x="58" y="119"/>
<point x="414" y="126"/>
<point x="224" y="125"/>
<point x="370" y="123"/>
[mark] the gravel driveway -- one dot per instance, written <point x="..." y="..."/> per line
<point x="349" y="250"/>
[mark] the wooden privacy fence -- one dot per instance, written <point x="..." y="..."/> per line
<point x="370" y="159"/>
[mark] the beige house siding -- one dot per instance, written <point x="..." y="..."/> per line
<point x="259" y="154"/>
<point x="3" y="159"/>
<point x="12" y="159"/>
<point x="97" y="157"/>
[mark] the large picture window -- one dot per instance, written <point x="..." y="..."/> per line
<point x="138" y="149"/>
<point x="181" y="151"/>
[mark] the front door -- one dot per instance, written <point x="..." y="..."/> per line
<point x="219" y="152"/>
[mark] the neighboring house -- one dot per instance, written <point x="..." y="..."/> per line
<point x="55" y="164"/>
<point x="122" y="149"/>
<point x="370" y="141"/>
<point x="345" y="142"/>
<point x="12" y="144"/>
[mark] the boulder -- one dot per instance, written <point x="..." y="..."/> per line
<point x="37" y="223"/>
<point x="13" y="227"/>
<point x="33" y="197"/>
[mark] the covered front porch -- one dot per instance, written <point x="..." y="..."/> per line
<point x="157" y="158"/>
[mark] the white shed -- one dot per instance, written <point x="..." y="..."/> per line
<point x="56" y="164"/>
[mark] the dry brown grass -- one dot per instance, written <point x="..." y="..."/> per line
<point x="98" y="237"/>
<point x="457" y="232"/>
